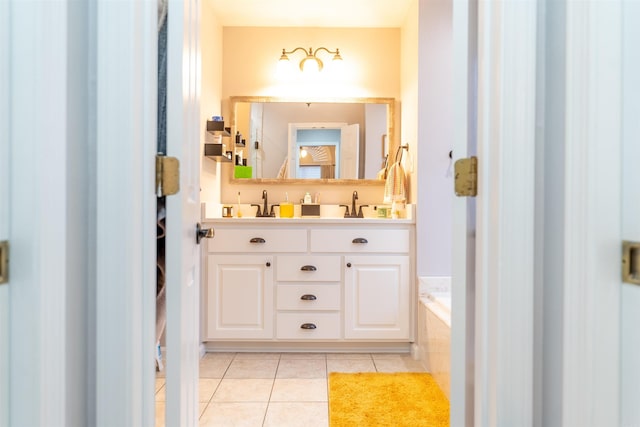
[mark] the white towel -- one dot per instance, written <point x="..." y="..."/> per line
<point x="395" y="187"/>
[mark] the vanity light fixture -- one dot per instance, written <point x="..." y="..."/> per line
<point x="311" y="59"/>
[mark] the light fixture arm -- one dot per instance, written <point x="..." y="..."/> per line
<point x="330" y="52"/>
<point x="311" y="54"/>
<point x="285" y="53"/>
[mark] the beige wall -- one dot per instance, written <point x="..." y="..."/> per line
<point x="371" y="68"/>
<point x="210" y="98"/>
<point x="371" y="62"/>
<point x="409" y="81"/>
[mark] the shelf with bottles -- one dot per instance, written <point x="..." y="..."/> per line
<point x="216" y="152"/>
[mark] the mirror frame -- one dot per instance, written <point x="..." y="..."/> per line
<point x="390" y="102"/>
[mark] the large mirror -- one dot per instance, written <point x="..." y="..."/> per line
<point x="285" y="140"/>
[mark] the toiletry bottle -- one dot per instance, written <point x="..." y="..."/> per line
<point x="307" y="198"/>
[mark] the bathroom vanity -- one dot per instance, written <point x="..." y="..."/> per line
<point x="308" y="284"/>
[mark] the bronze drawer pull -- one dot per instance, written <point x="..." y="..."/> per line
<point x="308" y="297"/>
<point x="308" y="326"/>
<point x="308" y="268"/>
<point x="359" y="240"/>
<point x="257" y="240"/>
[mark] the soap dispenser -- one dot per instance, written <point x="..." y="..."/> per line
<point x="307" y="198"/>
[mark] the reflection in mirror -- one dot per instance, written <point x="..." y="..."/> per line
<point x="345" y="139"/>
<point x="316" y="161"/>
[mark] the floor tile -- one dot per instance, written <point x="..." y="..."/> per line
<point x="299" y="390"/>
<point x="345" y="356"/>
<point x="160" y="408"/>
<point x="396" y="363"/>
<point x="228" y="414"/>
<point x="294" y="414"/>
<point x="214" y="367"/>
<point x="304" y="356"/>
<point x="261" y="356"/>
<point x="228" y="356"/>
<point x="301" y="368"/>
<point x="203" y="406"/>
<point x="376" y="356"/>
<point x="206" y="388"/>
<point x="161" y="395"/>
<point x="243" y="390"/>
<point x="350" y="365"/>
<point x="252" y="368"/>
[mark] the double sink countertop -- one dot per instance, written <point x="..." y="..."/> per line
<point x="330" y="214"/>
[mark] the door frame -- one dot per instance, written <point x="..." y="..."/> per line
<point x="463" y="283"/>
<point x="5" y="135"/>
<point x="592" y="218"/>
<point x="82" y="212"/>
<point x="504" y="334"/>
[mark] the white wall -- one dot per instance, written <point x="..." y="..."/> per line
<point x="434" y="186"/>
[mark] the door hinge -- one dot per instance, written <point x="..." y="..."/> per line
<point x="466" y="177"/>
<point x="631" y="262"/>
<point x="4" y="262"/>
<point x="167" y="175"/>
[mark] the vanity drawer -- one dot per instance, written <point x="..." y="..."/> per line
<point x="308" y="268"/>
<point x="308" y="326"/>
<point x="357" y="240"/>
<point x="308" y="297"/>
<point x="253" y="240"/>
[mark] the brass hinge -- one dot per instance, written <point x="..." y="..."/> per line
<point x="4" y="262"/>
<point x="167" y="175"/>
<point x="631" y="262"/>
<point x="466" y="177"/>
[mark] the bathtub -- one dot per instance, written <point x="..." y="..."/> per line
<point x="434" y="328"/>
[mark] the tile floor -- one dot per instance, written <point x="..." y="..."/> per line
<point x="275" y="389"/>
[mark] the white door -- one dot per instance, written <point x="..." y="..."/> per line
<point x="183" y="213"/>
<point x="630" y="295"/>
<point x="349" y="152"/>
<point x="464" y="219"/>
<point x="4" y="209"/>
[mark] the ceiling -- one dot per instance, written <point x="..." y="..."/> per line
<point x="311" y="13"/>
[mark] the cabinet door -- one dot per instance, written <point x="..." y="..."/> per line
<point x="377" y="297"/>
<point x="239" y="297"/>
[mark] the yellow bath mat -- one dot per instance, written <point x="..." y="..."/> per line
<point x="404" y="399"/>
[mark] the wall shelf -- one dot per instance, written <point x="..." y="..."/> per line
<point x="217" y="128"/>
<point x="214" y="152"/>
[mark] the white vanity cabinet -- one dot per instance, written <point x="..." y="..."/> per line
<point x="377" y="297"/>
<point x="239" y="280"/>
<point x="377" y="285"/>
<point x="307" y="283"/>
<point x="240" y="296"/>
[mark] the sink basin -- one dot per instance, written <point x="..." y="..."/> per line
<point x="331" y="211"/>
